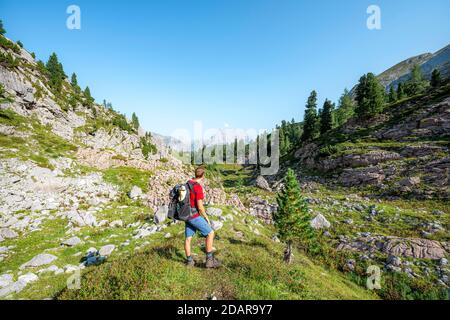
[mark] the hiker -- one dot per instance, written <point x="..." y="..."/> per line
<point x="199" y="221"/>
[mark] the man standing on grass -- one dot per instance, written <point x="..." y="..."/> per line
<point x="199" y="222"/>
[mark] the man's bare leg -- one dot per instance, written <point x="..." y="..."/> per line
<point x="187" y="247"/>
<point x="209" y="242"/>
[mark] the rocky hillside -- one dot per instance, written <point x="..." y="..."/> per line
<point x="380" y="190"/>
<point x="402" y="152"/>
<point x="73" y="171"/>
<point x="439" y="60"/>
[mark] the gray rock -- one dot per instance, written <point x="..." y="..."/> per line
<point x="71" y="242"/>
<point x="39" y="260"/>
<point x="14" y="287"/>
<point x="410" y="181"/>
<point x="29" y="277"/>
<point x="393" y="268"/>
<point x="6" y="280"/>
<point x="116" y="224"/>
<point x="135" y="193"/>
<point x="215" y="212"/>
<point x="395" y="261"/>
<point x="70" y="268"/>
<point x="51" y="269"/>
<point x="320" y="222"/>
<point x="350" y="264"/>
<point x="6" y="233"/>
<point x="216" y="225"/>
<point x="443" y="262"/>
<point x="161" y="214"/>
<point x="262" y="183"/>
<point x="106" y="250"/>
<point x="142" y="233"/>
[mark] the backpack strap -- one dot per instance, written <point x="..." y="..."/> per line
<point x="192" y="189"/>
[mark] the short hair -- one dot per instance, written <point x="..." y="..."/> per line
<point x="199" y="172"/>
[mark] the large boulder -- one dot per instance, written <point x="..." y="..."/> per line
<point x="71" y="242"/>
<point x="161" y="214"/>
<point x="415" y="248"/>
<point x="106" y="250"/>
<point x="320" y="222"/>
<point x="39" y="260"/>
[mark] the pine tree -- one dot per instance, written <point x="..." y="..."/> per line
<point x="56" y="73"/>
<point x="135" y="121"/>
<point x="416" y="85"/>
<point x="436" y="78"/>
<point x="310" y="123"/>
<point x="346" y="108"/>
<point x="74" y="83"/>
<point x="370" y="96"/>
<point x="326" y="118"/>
<point x="392" y="95"/>
<point x="2" y="29"/>
<point x="401" y="91"/>
<point x="89" y="101"/>
<point x="292" y="219"/>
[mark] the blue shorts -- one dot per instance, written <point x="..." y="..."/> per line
<point x="197" y="224"/>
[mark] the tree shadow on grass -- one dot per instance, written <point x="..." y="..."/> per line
<point x="169" y="252"/>
<point x="252" y="243"/>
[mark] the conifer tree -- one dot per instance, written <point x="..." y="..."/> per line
<point x="56" y="72"/>
<point x="2" y="29"/>
<point x="310" y="123"/>
<point x="326" y="117"/>
<point x="416" y="85"/>
<point x="74" y="83"/>
<point x="436" y="78"/>
<point x="392" y="95"/>
<point x="346" y="108"/>
<point x="89" y="101"/>
<point x="135" y="121"/>
<point x="292" y="219"/>
<point x="369" y="96"/>
<point x="401" y="91"/>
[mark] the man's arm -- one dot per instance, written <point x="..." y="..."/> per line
<point x="201" y="210"/>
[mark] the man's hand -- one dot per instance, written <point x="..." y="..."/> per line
<point x="202" y="210"/>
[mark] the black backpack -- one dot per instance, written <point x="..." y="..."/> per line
<point x="180" y="202"/>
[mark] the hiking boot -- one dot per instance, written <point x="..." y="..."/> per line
<point x="190" y="263"/>
<point x="212" y="262"/>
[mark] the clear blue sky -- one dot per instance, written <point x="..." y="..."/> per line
<point x="247" y="63"/>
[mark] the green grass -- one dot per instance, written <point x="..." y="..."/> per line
<point x="159" y="272"/>
<point x="127" y="177"/>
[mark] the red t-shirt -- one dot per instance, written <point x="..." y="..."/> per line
<point x="195" y="196"/>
